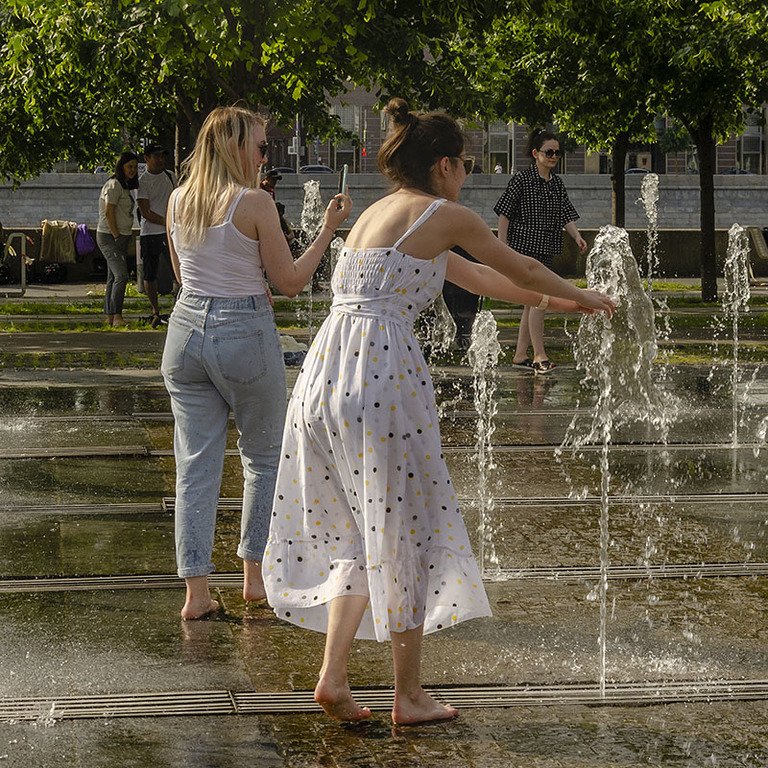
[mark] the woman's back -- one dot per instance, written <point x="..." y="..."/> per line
<point x="386" y="221"/>
<point x="227" y="263"/>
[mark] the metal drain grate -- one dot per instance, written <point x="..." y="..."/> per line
<point x="86" y="509"/>
<point x="236" y="504"/>
<point x="94" y="450"/>
<point x="196" y="703"/>
<point x="570" y="573"/>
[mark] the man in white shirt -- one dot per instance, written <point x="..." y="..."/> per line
<point x="155" y="187"/>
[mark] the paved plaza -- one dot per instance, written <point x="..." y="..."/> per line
<point x="98" y="669"/>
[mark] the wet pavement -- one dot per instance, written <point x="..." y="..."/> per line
<point x="66" y="515"/>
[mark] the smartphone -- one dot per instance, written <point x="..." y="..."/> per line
<point x="343" y="173"/>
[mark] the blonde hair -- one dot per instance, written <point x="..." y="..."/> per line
<point x="222" y="162"/>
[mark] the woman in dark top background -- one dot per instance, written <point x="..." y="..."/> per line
<point x="533" y="211"/>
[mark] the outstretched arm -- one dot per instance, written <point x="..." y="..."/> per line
<point x="484" y="281"/>
<point x="466" y="229"/>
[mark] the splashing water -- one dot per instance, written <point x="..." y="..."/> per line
<point x="735" y="302"/>
<point x="311" y="223"/>
<point x="616" y="357"/>
<point x="483" y="354"/>
<point x="312" y="211"/>
<point x="649" y="196"/>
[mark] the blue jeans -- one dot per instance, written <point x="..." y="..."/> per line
<point x="223" y="355"/>
<point x="115" y="252"/>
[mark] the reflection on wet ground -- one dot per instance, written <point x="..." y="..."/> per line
<point x="102" y="515"/>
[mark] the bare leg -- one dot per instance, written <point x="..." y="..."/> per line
<point x="118" y="321"/>
<point x="198" y="603"/>
<point x="151" y="288"/>
<point x="332" y="692"/>
<point x="523" y="338"/>
<point x="110" y="319"/>
<point x="412" y="703"/>
<point x="536" y="330"/>
<point x="253" y="584"/>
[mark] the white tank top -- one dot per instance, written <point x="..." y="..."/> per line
<point x="227" y="264"/>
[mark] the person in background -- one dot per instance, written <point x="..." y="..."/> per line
<point x="533" y="211"/>
<point x="222" y="353"/>
<point x="367" y="539"/>
<point x="113" y="232"/>
<point x="497" y="168"/>
<point x="269" y="182"/>
<point x="155" y="187"/>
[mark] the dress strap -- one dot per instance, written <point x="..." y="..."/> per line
<point x="431" y="208"/>
<point x="233" y="207"/>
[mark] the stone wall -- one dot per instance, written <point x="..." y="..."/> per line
<point x="74" y="197"/>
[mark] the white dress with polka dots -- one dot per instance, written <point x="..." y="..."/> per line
<point x="364" y="504"/>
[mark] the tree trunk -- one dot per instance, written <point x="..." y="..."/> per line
<point x="705" y="143"/>
<point x="618" y="190"/>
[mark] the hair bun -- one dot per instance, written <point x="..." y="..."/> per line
<point x="399" y="111"/>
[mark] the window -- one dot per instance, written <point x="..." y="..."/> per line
<point x="750" y="149"/>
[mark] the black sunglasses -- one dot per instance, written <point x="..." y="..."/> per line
<point x="550" y="152"/>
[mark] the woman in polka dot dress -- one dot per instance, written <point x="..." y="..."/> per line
<point x="367" y="539"/>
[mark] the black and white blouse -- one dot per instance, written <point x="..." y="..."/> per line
<point x="537" y="211"/>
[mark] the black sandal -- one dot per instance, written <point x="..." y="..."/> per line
<point x="543" y="366"/>
<point x="527" y="363"/>
<point x="156" y="321"/>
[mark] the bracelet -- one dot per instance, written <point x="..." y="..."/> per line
<point x="544" y="303"/>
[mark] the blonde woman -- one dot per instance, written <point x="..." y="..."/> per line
<point x="222" y="352"/>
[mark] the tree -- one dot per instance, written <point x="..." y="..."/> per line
<point x="77" y="78"/>
<point x="582" y="61"/>
<point x="716" y="65"/>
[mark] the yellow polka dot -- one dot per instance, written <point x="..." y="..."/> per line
<point x="392" y="407"/>
<point x="413" y="531"/>
<point x="428" y="457"/>
<point x="399" y="624"/>
<point x="318" y="522"/>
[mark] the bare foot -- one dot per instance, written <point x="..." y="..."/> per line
<point x="118" y="321"/>
<point x="420" y="708"/>
<point x="338" y="703"/>
<point x="195" y="609"/>
<point x="253" y="584"/>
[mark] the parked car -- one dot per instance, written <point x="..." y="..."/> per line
<point x="316" y="169"/>
<point x="281" y="169"/>
<point x="636" y="170"/>
<point x="739" y="171"/>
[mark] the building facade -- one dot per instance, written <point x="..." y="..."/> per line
<point x="504" y="144"/>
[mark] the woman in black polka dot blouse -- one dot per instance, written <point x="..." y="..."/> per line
<point x="533" y="211"/>
<point x="367" y="538"/>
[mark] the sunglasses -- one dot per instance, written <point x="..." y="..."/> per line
<point x="469" y="164"/>
<point x="263" y="148"/>
<point x="550" y="152"/>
